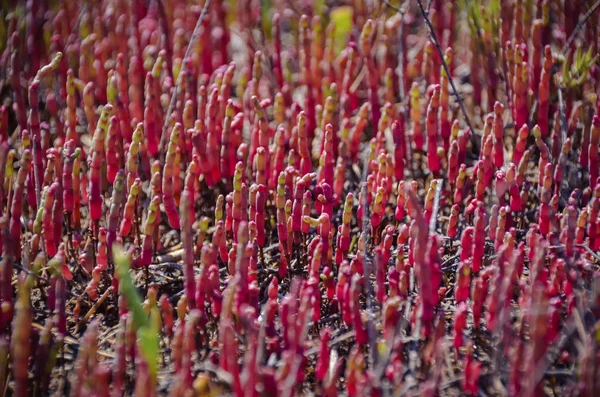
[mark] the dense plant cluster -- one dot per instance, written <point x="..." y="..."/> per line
<point x="278" y="197"/>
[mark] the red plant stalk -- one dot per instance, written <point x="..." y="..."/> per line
<point x="16" y="211"/>
<point x="360" y="333"/>
<point x="114" y="158"/>
<point x="329" y="117"/>
<point x="398" y="133"/>
<point x="6" y="162"/>
<point x="501" y="227"/>
<point x="466" y="243"/>
<point x="355" y="376"/>
<point x="380" y="274"/>
<point x="445" y="126"/>
<point x="520" y="95"/>
<point x="64" y="274"/>
<point x="400" y="201"/>
<point x="305" y="67"/>
<point x="427" y="66"/>
<point x="70" y="111"/>
<point x="478" y="295"/>
<point x="390" y="95"/>
<point x="187" y="217"/>
<point x="168" y="185"/>
<point x="480" y="183"/>
<point x="325" y="199"/>
<point x="366" y="38"/>
<point x="130" y="207"/>
<point x="20" y="343"/>
<point x="460" y="184"/>
<point x="538" y="329"/>
<point x="498" y="151"/>
<point x="260" y="214"/>
<point x="114" y="213"/>
<point x="57" y="211"/>
<point x="521" y="144"/>
<point x="593" y="163"/>
<point x="282" y="230"/>
<point x="581" y="222"/>
<point x="429" y="199"/>
<point x="49" y="171"/>
<point x="227" y="160"/>
<point x="236" y="206"/>
<point x="462" y="139"/>
<point x="522" y="168"/>
<point x="47" y="225"/>
<point x="592" y="226"/>
<point x="415" y="117"/>
<point x="304" y="144"/>
<point x="70" y="153"/>
<point x="324" y="354"/>
<point x="423" y="266"/>
<point x="131" y="166"/>
<point x="348" y="99"/>
<point x="298" y="209"/>
<point x="324" y="228"/>
<point x="34" y="129"/>
<point x="44" y="357"/>
<point x="536" y="35"/>
<point x="431" y="127"/>
<point x="357" y="131"/>
<point x="88" y="105"/>
<point x="95" y="189"/>
<point x="343" y="243"/>
<point x="177" y="176"/>
<point x="479" y="239"/>
<point x="494" y="303"/>
<point x="544" y="155"/>
<point x="544" y="92"/>
<point x="327" y="158"/>
<point x="148" y="231"/>
<point x="276" y="57"/>
<point x="472" y="371"/>
<point x="102" y="250"/>
<point x="15" y="65"/>
<point x="463" y="277"/>
<point x="460" y="322"/>
<point x="264" y="131"/>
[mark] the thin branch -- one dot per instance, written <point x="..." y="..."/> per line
<point x="444" y="64"/>
<point x="163" y="135"/>
<point x="580" y="25"/>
